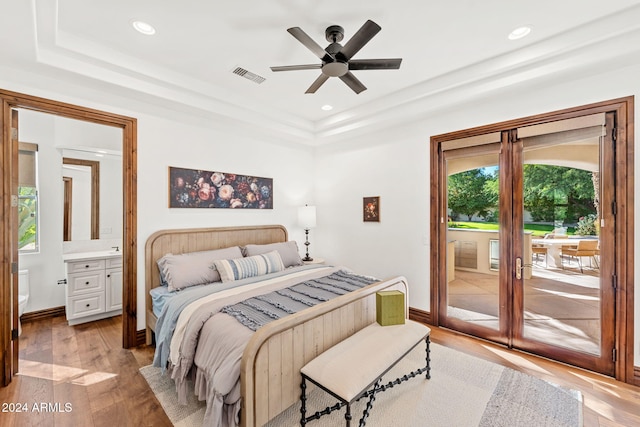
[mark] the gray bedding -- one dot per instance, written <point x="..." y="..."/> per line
<point x="212" y="343"/>
<point x="258" y="311"/>
<point x="179" y="300"/>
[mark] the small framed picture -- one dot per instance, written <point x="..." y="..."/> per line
<point x="371" y="209"/>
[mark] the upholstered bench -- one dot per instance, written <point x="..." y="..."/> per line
<point x="353" y="369"/>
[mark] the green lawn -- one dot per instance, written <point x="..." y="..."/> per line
<point x="535" y="229"/>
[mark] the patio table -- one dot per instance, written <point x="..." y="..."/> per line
<point x="554" y="249"/>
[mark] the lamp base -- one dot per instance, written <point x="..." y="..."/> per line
<point x="307" y="258"/>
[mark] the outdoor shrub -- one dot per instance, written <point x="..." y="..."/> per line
<point x="586" y="225"/>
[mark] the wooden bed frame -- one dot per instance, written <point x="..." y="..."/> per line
<point x="270" y="368"/>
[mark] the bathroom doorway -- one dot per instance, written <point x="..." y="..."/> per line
<point x="87" y="158"/>
<point x="9" y="343"/>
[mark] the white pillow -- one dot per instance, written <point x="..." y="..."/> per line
<point x="193" y="268"/>
<point x="241" y="268"/>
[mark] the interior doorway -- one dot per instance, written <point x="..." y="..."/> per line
<point x="524" y="219"/>
<point x="9" y="343"/>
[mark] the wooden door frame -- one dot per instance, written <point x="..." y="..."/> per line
<point x="624" y="364"/>
<point x="14" y="184"/>
<point x="11" y="100"/>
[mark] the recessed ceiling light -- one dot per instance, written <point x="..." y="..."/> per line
<point x="327" y="107"/>
<point x="144" y="28"/>
<point x="519" y="33"/>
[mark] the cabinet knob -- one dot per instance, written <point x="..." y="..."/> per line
<point x="88" y="305"/>
<point x="86" y="266"/>
<point x="86" y="283"/>
<point x="108" y="275"/>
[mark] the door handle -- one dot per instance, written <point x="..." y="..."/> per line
<point x="519" y="268"/>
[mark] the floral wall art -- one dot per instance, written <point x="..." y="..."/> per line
<point x="190" y="188"/>
<point x="371" y="209"/>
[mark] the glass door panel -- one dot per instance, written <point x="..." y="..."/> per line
<point x="473" y="234"/>
<point x="561" y="295"/>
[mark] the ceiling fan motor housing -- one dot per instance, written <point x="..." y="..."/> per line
<point x="335" y="65"/>
<point x="335" y="69"/>
<point x="334" y="33"/>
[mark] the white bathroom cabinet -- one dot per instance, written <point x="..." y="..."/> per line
<point x="94" y="286"/>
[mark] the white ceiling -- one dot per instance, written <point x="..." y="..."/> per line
<point x="448" y="48"/>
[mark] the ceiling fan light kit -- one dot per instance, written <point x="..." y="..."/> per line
<point x="336" y="58"/>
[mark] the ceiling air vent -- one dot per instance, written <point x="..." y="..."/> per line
<point x="248" y="75"/>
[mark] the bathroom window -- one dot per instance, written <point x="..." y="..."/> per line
<point x="28" y="240"/>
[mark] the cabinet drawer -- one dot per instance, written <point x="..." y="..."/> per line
<point x="114" y="262"/>
<point x="85" y="305"/>
<point x="88" y="265"/>
<point x="87" y="282"/>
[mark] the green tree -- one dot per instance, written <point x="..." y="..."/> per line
<point x="558" y="192"/>
<point x="492" y="188"/>
<point x="27" y="219"/>
<point x="469" y="194"/>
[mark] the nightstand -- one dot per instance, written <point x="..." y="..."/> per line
<point x="315" y="260"/>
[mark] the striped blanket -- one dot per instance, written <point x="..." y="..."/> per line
<point x="259" y="310"/>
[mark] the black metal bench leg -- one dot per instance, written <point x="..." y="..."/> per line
<point x="347" y="415"/>
<point x="428" y="342"/>
<point x="303" y="399"/>
<point x="367" y="408"/>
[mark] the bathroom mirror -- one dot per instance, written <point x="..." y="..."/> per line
<point x="81" y="199"/>
<point x="92" y="194"/>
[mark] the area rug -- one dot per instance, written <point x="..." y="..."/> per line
<point x="464" y="391"/>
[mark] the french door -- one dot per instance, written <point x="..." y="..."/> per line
<point x="528" y="227"/>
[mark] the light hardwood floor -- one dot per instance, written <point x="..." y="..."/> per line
<point x="85" y="366"/>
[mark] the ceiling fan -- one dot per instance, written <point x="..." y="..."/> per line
<point x="336" y="59"/>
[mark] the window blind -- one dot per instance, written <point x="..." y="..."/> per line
<point x="27" y="165"/>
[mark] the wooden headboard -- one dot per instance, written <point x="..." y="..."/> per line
<point x="179" y="241"/>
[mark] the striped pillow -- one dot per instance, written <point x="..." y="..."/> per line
<point x="241" y="268"/>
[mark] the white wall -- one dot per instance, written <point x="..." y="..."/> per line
<point x="394" y="164"/>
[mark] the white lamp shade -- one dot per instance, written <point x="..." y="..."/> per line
<point x="307" y="216"/>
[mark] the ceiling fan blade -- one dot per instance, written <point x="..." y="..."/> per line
<point x="314" y="47"/>
<point x="375" y="64"/>
<point x="296" y="67"/>
<point x="360" y="38"/>
<point x="351" y="81"/>
<point x="316" y="84"/>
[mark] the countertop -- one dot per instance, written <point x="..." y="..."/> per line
<point x="81" y="256"/>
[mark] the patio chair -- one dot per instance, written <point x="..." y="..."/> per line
<point x="538" y="249"/>
<point x="584" y="248"/>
